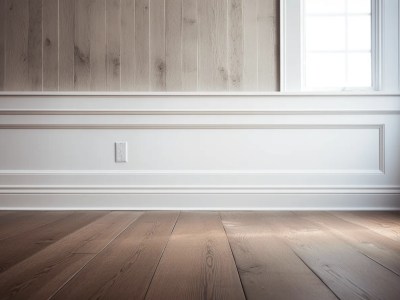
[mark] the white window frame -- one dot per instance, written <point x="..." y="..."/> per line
<point x="385" y="46"/>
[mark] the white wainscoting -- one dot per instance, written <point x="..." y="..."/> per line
<point x="200" y="151"/>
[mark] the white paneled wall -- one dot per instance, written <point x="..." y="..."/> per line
<point x="273" y="151"/>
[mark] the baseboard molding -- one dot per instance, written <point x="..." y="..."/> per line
<point x="200" y="201"/>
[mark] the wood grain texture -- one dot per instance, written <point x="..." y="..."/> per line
<point x="97" y="27"/>
<point x="235" y="44"/>
<point x="43" y="274"/>
<point x="384" y="223"/>
<point x="82" y="46"/>
<point x="198" y="255"/>
<point x="21" y="246"/>
<point x="213" y="62"/>
<point x="50" y="45"/>
<point x="3" y="10"/>
<point x="189" y="45"/>
<point x="173" y="45"/>
<point x="127" y="44"/>
<point x="113" y="22"/>
<point x="35" y="54"/>
<point x="197" y="263"/>
<point x="250" y="45"/>
<point x="339" y="265"/>
<point x="17" y="24"/>
<point x="21" y="222"/>
<point x="157" y="45"/>
<point x="139" y="45"/>
<point x="142" y="45"/>
<point x="125" y="268"/>
<point x="379" y="248"/>
<point x="66" y="44"/>
<point x="268" y="58"/>
<point x="267" y="266"/>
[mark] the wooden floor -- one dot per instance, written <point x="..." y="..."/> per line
<point x="199" y="255"/>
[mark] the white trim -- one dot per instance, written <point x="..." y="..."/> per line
<point x="201" y="202"/>
<point x="110" y="190"/>
<point x="385" y="52"/>
<point x="47" y="94"/>
<point x="49" y="183"/>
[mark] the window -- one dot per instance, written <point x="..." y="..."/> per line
<point x="336" y="44"/>
<point x="339" y="45"/>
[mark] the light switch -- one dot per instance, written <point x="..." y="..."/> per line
<point x="121" y="152"/>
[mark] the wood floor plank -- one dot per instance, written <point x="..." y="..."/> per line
<point x="125" y="268"/>
<point x="268" y="268"/>
<point x="346" y="271"/>
<point x="384" y="223"/>
<point x="25" y="244"/>
<point x="197" y="262"/>
<point x="377" y="247"/>
<point x="18" y="223"/>
<point x="44" y="273"/>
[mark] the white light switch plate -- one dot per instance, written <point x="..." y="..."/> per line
<point x="121" y="152"/>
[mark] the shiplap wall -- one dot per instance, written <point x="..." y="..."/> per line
<point x="139" y="45"/>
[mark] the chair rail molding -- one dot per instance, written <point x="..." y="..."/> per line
<point x="200" y="151"/>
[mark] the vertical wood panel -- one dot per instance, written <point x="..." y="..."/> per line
<point x="173" y="33"/>
<point x="235" y="45"/>
<point x="189" y="45"/>
<point x="66" y="13"/>
<point x="127" y="44"/>
<point x="2" y="42"/>
<point x="17" y="24"/>
<point x="113" y="22"/>
<point x="267" y="44"/>
<point x="97" y="26"/>
<point x="213" y="73"/>
<point x="82" y="46"/>
<point x="157" y="45"/>
<point x="50" y="45"/>
<point x="142" y="45"/>
<point x="35" y="45"/>
<point x="250" y="47"/>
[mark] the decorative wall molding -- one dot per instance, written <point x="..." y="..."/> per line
<point x="362" y="131"/>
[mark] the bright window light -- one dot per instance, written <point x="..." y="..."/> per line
<point x="336" y="45"/>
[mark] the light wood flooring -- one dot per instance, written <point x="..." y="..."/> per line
<point x="199" y="255"/>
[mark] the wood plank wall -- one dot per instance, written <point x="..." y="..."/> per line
<point x="139" y="45"/>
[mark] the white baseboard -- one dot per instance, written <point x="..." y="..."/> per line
<point x="200" y="202"/>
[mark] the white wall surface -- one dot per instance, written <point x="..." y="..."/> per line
<point x="203" y="151"/>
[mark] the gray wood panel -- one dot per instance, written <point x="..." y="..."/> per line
<point x="189" y="45"/>
<point x="113" y="22"/>
<point x="82" y="46"/>
<point x="127" y="44"/>
<point x="142" y="45"/>
<point x="66" y="45"/>
<point x="173" y="45"/>
<point x="98" y="69"/>
<point x="235" y="44"/>
<point x="35" y="53"/>
<point x="50" y="45"/>
<point x="2" y="41"/>
<point x="17" y="27"/>
<point x="139" y="45"/>
<point x="157" y="45"/>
